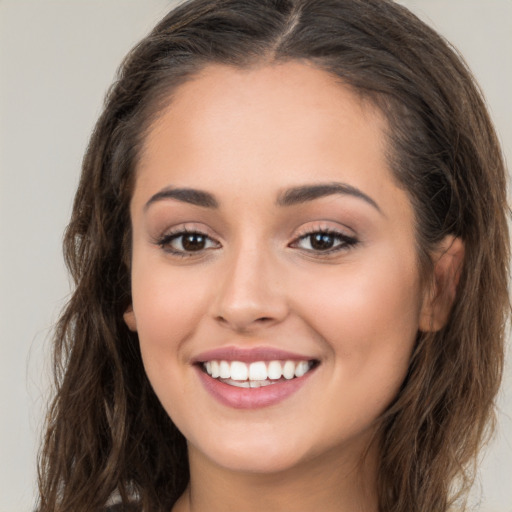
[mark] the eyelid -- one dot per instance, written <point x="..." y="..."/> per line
<point x="167" y="236"/>
<point x="347" y="241"/>
<point x="324" y="226"/>
<point x="344" y="242"/>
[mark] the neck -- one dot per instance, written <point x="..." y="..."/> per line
<point x="339" y="482"/>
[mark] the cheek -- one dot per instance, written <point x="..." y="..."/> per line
<point x="368" y="321"/>
<point x="167" y="306"/>
<point x="367" y="312"/>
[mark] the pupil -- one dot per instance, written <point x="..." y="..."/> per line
<point x="193" y="242"/>
<point x="322" y="241"/>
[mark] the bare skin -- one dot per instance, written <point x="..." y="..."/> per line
<point x="315" y="484"/>
<point x="246" y="261"/>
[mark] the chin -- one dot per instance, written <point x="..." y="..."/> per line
<point x="262" y="456"/>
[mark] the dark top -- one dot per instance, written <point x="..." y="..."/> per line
<point x="120" y="508"/>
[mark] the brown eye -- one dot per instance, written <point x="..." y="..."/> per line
<point x="184" y="243"/>
<point x="321" y="241"/>
<point x="325" y="242"/>
<point x="193" y="242"/>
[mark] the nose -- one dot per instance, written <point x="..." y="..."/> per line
<point x="251" y="292"/>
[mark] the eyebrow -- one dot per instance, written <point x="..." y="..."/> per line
<point x="305" y="193"/>
<point x="185" y="195"/>
<point x="290" y="197"/>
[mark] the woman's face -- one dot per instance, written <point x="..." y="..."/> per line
<point x="270" y="237"/>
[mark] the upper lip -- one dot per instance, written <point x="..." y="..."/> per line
<point x="248" y="355"/>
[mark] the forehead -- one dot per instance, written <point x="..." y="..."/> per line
<point x="281" y="124"/>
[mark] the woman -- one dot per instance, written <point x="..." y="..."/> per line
<point x="291" y="254"/>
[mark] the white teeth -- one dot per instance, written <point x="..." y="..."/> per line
<point x="238" y="383"/>
<point x="247" y="383"/>
<point x="239" y="371"/>
<point x="289" y="370"/>
<point x="215" y="369"/>
<point x="258" y="371"/>
<point x="301" y="369"/>
<point x="275" y="370"/>
<point x="224" y="370"/>
<point x="256" y="374"/>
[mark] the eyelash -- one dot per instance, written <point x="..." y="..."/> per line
<point x="165" y="242"/>
<point x="346" y="242"/>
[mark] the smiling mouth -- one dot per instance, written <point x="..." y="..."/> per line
<point x="258" y="373"/>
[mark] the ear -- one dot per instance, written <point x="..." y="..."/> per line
<point x="129" y="318"/>
<point x="440" y="295"/>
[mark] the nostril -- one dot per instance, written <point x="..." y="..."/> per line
<point x="244" y="324"/>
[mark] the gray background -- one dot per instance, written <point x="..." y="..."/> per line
<point x="57" y="58"/>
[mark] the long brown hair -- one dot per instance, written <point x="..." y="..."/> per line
<point x="107" y="434"/>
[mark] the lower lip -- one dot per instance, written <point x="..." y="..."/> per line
<point x="251" y="398"/>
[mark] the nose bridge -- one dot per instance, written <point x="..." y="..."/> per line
<point x="250" y="293"/>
